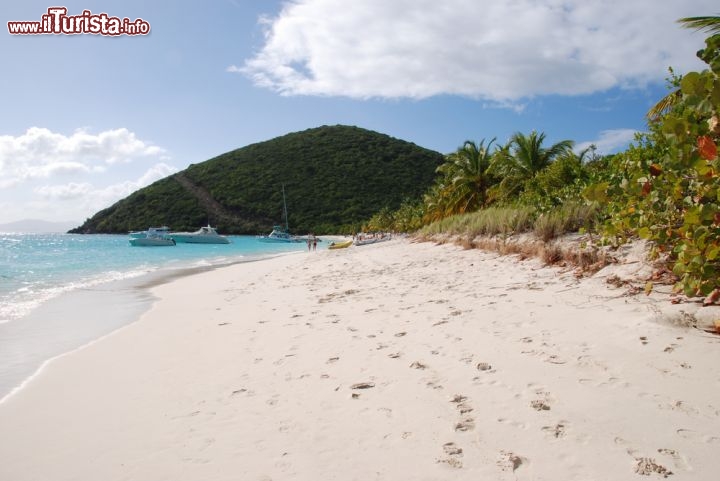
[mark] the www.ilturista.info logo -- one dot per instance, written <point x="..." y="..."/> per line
<point x="58" y="22"/>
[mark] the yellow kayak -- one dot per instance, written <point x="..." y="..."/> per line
<point x="340" y="245"/>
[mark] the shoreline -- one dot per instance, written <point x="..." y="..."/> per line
<point x="391" y="361"/>
<point x="44" y="334"/>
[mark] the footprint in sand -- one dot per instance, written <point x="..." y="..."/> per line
<point x="458" y="398"/>
<point x="484" y="366"/>
<point x="454" y="453"/>
<point x="461" y="403"/>
<point x="557" y="431"/>
<point x="418" y="365"/>
<point x="452" y="449"/>
<point x="467" y="359"/>
<point x="464" y="408"/>
<point x="648" y="466"/>
<point x="467" y="424"/>
<point x="694" y="435"/>
<point x="387" y="411"/>
<point x="540" y="405"/>
<point x="679" y="461"/>
<point x="510" y="461"/>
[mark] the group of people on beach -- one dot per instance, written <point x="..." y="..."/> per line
<point x="311" y="242"/>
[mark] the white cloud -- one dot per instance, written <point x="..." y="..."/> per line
<point x="498" y="51"/>
<point x="98" y="198"/>
<point x="65" y="192"/>
<point x="40" y="153"/>
<point x="609" y="141"/>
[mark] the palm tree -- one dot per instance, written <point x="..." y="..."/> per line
<point x="434" y="203"/>
<point x="523" y="157"/>
<point x="709" y="24"/>
<point x="465" y="177"/>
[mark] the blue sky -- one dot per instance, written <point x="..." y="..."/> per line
<point x="87" y="119"/>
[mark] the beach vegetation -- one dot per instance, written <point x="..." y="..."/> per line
<point x="519" y="162"/>
<point x="489" y="222"/>
<point x="571" y="216"/>
<point x="667" y="187"/>
<point x="465" y="177"/>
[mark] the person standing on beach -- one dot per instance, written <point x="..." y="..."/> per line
<point x="314" y="239"/>
<point x="309" y="241"/>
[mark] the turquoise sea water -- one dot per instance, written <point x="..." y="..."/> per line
<point x="61" y="291"/>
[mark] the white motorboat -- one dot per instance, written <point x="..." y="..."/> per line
<point x="164" y="230"/>
<point x="153" y="237"/>
<point x="204" y="235"/>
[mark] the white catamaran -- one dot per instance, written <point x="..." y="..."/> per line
<point x="282" y="233"/>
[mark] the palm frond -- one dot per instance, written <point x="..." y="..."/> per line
<point x="708" y="24"/>
<point x="663" y="106"/>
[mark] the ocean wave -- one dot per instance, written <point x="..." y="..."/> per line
<point x="23" y="300"/>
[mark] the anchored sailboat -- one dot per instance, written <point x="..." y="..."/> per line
<point x="282" y="233"/>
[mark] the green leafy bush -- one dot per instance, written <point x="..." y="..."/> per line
<point x="666" y="188"/>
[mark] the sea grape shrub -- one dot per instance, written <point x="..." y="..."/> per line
<point x="665" y="189"/>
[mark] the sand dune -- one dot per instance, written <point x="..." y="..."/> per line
<point x="397" y="361"/>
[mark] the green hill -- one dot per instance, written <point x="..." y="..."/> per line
<point x="335" y="178"/>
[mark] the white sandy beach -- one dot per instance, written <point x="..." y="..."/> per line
<point x="398" y="361"/>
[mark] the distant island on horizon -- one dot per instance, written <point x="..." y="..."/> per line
<point x="38" y="226"/>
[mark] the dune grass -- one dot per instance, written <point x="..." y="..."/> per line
<point x="569" y="217"/>
<point x="524" y="232"/>
<point x="485" y="222"/>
